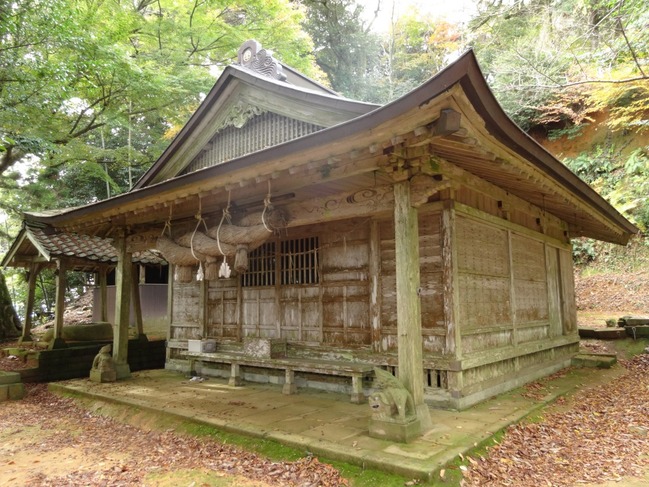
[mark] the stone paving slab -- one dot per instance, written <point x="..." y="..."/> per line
<point x="322" y="423"/>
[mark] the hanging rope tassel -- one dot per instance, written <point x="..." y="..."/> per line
<point x="200" y="275"/>
<point x="267" y="204"/>
<point x="224" y="270"/>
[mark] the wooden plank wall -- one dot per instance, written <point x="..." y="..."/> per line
<point x="335" y="312"/>
<point x="510" y="286"/>
<point x="185" y="322"/>
<point x="485" y="312"/>
<point x="222" y="309"/>
<point x="515" y="289"/>
<point x="432" y="308"/>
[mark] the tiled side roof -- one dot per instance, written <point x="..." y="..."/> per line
<point x="84" y="247"/>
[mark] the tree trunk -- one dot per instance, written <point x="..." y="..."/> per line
<point x="9" y="321"/>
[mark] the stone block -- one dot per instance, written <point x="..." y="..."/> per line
<point x="16" y="391"/>
<point x="123" y="371"/>
<point x="201" y="346"/>
<point x="594" y="360"/>
<point x="12" y="392"/>
<point x="264" y="347"/>
<point x="9" y="377"/>
<point x="97" y="375"/>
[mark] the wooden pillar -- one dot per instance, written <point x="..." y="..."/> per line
<point x="34" y="270"/>
<point x="203" y="298"/>
<point x="123" y="284"/>
<point x="103" y="294"/>
<point x="137" y="303"/>
<point x="59" y="306"/>
<point x="406" y="245"/>
<point x="375" y="285"/>
<point x="170" y="307"/>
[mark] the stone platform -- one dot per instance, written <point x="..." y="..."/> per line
<point x="323" y="423"/>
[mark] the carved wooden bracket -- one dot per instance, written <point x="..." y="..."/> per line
<point x="423" y="186"/>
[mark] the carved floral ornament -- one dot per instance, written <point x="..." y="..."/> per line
<point x="239" y="114"/>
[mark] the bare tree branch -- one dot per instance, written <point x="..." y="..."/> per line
<point x="626" y="39"/>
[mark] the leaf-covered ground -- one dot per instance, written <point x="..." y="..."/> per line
<point x="47" y="440"/>
<point x="602" y="435"/>
<point x="621" y="292"/>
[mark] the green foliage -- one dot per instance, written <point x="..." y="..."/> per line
<point x="531" y="51"/>
<point x="570" y="132"/>
<point x="583" y="251"/>
<point x="345" y="48"/>
<point x="621" y="178"/>
<point x="9" y="322"/>
<point x="418" y="47"/>
<point x="89" y="89"/>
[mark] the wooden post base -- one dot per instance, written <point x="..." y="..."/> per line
<point x="396" y="430"/>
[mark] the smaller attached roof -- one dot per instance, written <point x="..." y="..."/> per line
<point x="36" y="244"/>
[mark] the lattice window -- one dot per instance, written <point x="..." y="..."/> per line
<point x="295" y="261"/>
<point x="299" y="261"/>
<point x="261" y="267"/>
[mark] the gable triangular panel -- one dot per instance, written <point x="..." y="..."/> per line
<point x="251" y="108"/>
<point x="254" y="130"/>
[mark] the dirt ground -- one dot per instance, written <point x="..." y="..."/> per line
<point x="46" y="440"/>
<point x="602" y="296"/>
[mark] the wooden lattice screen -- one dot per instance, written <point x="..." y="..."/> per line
<point x="297" y="259"/>
<point x="261" y="267"/>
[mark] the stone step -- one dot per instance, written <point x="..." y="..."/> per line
<point x="594" y="360"/>
<point x="602" y="333"/>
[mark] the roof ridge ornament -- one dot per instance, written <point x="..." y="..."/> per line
<point x="254" y="57"/>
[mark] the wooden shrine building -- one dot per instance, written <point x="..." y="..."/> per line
<point x="429" y="237"/>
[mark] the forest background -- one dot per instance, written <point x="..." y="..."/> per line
<point x="92" y="91"/>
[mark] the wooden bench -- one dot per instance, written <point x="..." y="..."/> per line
<point x="290" y="365"/>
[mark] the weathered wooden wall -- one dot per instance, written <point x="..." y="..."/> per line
<point x="496" y="290"/>
<point x="431" y="289"/>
